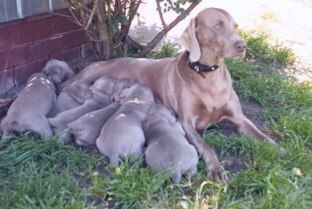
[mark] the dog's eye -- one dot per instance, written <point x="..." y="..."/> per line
<point x="219" y="25"/>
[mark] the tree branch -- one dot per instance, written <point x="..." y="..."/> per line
<point x="161" y="14"/>
<point x="151" y="45"/>
<point x="92" y="14"/>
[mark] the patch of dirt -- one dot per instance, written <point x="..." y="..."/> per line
<point x="253" y="111"/>
<point x="234" y="164"/>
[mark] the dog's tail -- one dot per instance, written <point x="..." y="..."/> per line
<point x="114" y="160"/>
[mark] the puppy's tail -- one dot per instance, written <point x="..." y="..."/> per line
<point x="177" y="175"/>
<point x="114" y="160"/>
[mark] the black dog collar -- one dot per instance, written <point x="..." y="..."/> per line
<point x="200" y="68"/>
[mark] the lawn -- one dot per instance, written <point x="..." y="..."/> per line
<point x="39" y="173"/>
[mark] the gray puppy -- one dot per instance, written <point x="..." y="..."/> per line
<point x="77" y="93"/>
<point x="122" y="134"/>
<point x="167" y="147"/>
<point x="70" y="97"/>
<point x="28" y="111"/>
<point x="100" y="96"/>
<point x="87" y="128"/>
<point x="57" y="71"/>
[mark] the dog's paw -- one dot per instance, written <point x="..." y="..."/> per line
<point x="216" y="172"/>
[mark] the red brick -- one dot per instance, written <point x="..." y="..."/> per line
<point x="5" y="38"/>
<point x="23" y="72"/>
<point x="80" y="64"/>
<point x="32" y="31"/>
<point x="58" y="43"/>
<point x="15" y="56"/>
<point x="69" y="55"/>
<point x="61" y="24"/>
<point x="6" y="80"/>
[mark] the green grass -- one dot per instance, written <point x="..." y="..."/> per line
<point x="36" y="173"/>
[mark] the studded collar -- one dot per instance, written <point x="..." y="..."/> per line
<point x="200" y="68"/>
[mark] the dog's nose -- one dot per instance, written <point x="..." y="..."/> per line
<point x="240" y="46"/>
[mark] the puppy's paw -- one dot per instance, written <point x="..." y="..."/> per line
<point x="216" y="172"/>
<point x="66" y="135"/>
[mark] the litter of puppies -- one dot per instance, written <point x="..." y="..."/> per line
<point x="120" y="117"/>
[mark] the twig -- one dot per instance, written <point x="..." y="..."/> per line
<point x="73" y="14"/>
<point x="161" y="14"/>
<point x="92" y="13"/>
<point x="151" y="45"/>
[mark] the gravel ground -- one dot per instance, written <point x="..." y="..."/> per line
<point x="289" y="22"/>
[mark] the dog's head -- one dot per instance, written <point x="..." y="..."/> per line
<point x="105" y="84"/>
<point x="139" y="92"/>
<point x="213" y="31"/>
<point x="120" y="91"/>
<point x="57" y="71"/>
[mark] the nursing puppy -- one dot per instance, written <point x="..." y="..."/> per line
<point x="167" y="147"/>
<point x="28" y="111"/>
<point x="121" y="85"/>
<point x="87" y="128"/>
<point x="99" y="96"/>
<point x="57" y="71"/>
<point x="122" y="134"/>
<point x="70" y="97"/>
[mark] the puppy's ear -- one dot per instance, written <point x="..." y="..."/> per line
<point x="69" y="73"/>
<point x="66" y="71"/>
<point x="77" y="91"/>
<point x="190" y="42"/>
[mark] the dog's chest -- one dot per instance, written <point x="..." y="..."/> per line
<point x="211" y="108"/>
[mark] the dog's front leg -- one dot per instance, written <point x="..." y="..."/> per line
<point x="215" y="170"/>
<point x="246" y="127"/>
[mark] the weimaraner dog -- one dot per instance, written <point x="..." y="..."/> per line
<point x="70" y="97"/>
<point x="86" y="129"/>
<point x="100" y="95"/>
<point x="196" y="85"/>
<point x="122" y="134"/>
<point x="167" y="148"/>
<point x="57" y="71"/>
<point x="28" y="111"/>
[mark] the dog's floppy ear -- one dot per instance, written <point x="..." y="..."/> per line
<point x="67" y="72"/>
<point x="190" y="42"/>
<point x="78" y="91"/>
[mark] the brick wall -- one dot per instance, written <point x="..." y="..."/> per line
<point x="27" y="44"/>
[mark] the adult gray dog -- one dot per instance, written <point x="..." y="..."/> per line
<point x="122" y="134"/>
<point x="167" y="148"/>
<point x="196" y="85"/>
<point x="28" y="111"/>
